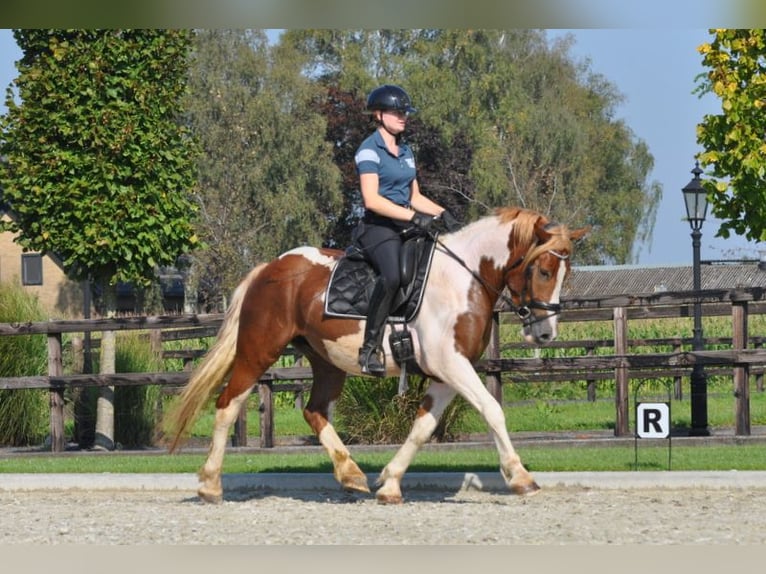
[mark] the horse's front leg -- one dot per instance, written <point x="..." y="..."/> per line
<point x="436" y="399"/>
<point x="470" y="386"/>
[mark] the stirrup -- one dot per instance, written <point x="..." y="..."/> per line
<point x="370" y="363"/>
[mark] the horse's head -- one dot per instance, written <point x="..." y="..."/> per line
<point x="535" y="279"/>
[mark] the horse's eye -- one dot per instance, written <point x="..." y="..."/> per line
<point x="545" y="274"/>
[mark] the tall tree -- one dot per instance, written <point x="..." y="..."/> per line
<point x="505" y="118"/>
<point x="733" y="140"/>
<point x="267" y="181"/>
<point x="98" y="168"/>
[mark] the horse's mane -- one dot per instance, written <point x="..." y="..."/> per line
<point x="524" y="223"/>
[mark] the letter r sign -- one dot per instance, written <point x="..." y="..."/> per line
<point x="653" y="420"/>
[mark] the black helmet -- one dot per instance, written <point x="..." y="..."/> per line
<point x="389" y="97"/>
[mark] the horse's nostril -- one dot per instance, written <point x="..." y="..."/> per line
<point x="544" y="338"/>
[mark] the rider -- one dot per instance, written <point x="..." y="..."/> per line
<point x="393" y="203"/>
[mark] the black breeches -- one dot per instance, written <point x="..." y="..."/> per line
<point x="382" y="244"/>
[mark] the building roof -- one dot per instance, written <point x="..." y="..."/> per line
<point x="604" y="280"/>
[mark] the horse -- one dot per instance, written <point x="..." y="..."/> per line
<point x="281" y="302"/>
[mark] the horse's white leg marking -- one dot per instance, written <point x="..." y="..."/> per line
<point x="391" y="476"/>
<point x="210" y="473"/>
<point x="345" y="470"/>
<point x="460" y="374"/>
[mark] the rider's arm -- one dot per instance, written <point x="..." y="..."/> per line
<point x="379" y="204"/>
<point x="421" y="203"/>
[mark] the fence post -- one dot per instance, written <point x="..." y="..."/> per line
<point x="266" y="408"/>
<point x="759" y="342"/>
<point x="492" y="376"/>
<point x="591" y="383"/>
<point x="56" y="369"/>
<point x="678" y="388"/>
<point x="741" y="374"/>
<point x="239" y="437"/>
<point x="621" y="422"/>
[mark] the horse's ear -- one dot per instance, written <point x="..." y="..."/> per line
<point x="543" y="227"/>
<point x="578" y="234"/>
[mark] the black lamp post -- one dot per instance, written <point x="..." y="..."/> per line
<point x="696" y="209"/>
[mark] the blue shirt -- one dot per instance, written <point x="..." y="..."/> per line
<point x="395" y="173"/>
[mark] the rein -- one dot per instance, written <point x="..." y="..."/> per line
<point x="524" y="312"/>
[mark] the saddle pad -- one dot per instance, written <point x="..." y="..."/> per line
<point x="352" y="280"/>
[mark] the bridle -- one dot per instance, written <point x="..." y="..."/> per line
<point x="525" y="310"/>
<point x="528" y="302"/>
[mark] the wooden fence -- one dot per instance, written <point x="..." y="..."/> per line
<point x="746" y="356"/>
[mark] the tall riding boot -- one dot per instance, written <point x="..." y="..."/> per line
<point x="370" y="354"/>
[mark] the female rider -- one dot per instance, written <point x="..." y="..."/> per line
<point x="393" y="203"/>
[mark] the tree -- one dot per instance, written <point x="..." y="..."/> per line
<point x="735" y="151"/>
<point x="266" y="178"/>
<point x="347" y="125"/>
<point x="503" y="119"/>
<point x="98" y="169"/>
<point x="542" y="133"/>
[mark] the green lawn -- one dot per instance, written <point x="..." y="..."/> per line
<point x="542" y="459"/>
<point x="532" y="412"/>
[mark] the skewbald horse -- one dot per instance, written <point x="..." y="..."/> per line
<point x="282" y="302"/>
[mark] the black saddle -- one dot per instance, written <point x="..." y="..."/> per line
<point x="353" y="278"/>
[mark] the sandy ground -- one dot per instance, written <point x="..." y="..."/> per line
<point x="559" y="515"/>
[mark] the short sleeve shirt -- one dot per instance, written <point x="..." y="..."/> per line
<point x="395" y="173"/>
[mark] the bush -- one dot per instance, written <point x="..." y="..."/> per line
<point x="372" y="412"/>
<point x="24" y="414"/>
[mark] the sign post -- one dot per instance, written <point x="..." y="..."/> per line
<point x="652" y="421"/>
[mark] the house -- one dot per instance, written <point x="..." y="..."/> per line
<point x="40" y="275"/>
<point x="605" y="280"/>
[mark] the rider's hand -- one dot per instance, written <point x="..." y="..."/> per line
<point x="422" y="221"/>
<point x="450" y="223"/>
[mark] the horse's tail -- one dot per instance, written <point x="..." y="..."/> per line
<point x="209" y="375"/>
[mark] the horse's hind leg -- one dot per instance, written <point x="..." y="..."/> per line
<point x="431" y="408"/>
<point x="229" y="403"/>
<point x="247" y="369"/>
<point x="327" y="386"/>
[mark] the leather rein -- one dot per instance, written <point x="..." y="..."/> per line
<point x="523" y="311"/>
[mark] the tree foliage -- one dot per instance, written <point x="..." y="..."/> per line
<point x="98" y="168"/>
<point x="733" y="140"/>
<point x="503" y="118"/>
<point x="267" y="181"/>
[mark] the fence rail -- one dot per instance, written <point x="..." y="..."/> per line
<point x="740" y="361"/>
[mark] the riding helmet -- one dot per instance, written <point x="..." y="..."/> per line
<point x="390" y="97"/>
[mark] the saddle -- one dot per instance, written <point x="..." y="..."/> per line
<point x="353" y="278"/>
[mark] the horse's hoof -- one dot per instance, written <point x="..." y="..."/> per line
<point x="528" y="489"/>
<point x="209" y="497"/>
<point x="389" y="498"/>
<point x="356" y="484"/>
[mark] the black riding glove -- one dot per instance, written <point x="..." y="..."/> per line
<point x="422" y="221"/>
<point x="450" y="223"/>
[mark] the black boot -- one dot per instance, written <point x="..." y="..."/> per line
<point x="371" y="352"/>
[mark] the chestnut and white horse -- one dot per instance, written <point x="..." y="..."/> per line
<point x="282" y="302"/>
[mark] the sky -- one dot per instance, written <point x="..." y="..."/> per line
<point x="655" y="70"/>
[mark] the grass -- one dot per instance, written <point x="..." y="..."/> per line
<point x="533" y="414"/>
<point x="537" y="459"/>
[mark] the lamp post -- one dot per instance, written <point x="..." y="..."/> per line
<point x="695" y="198"/>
